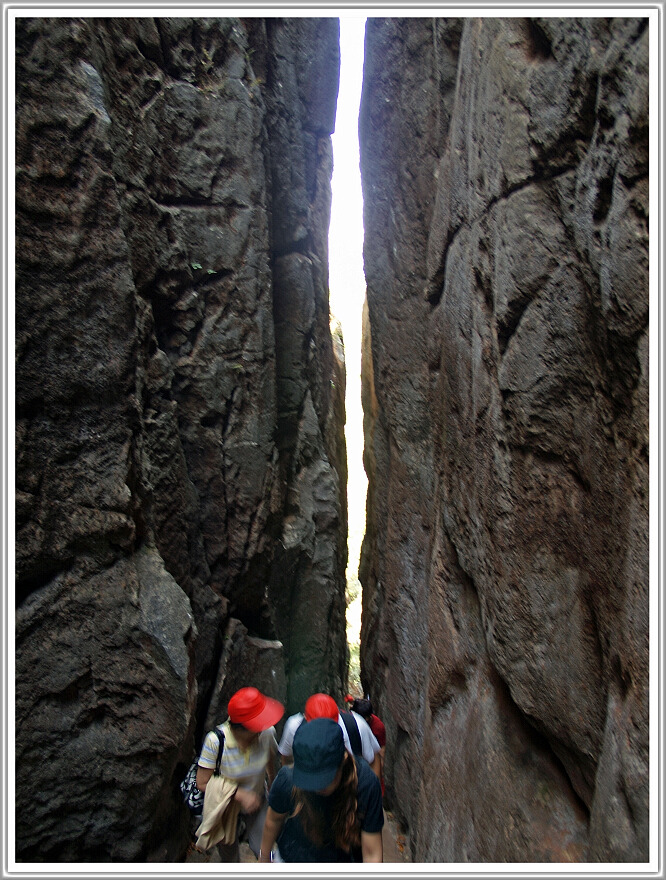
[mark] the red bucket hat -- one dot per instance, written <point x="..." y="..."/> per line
<point x="253" y="710"/>
<point x="321" y="706"/>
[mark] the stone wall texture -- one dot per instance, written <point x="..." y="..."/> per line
<point x="505" y="566"/>
<point x="180" y="459"/>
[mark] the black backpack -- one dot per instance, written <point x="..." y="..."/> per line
<point x="354" y="734"/>
<point x="193" y="797"/>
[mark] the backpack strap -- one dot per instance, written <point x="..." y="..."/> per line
<point x="220" y="749"/>
<point x="354" y="734"/>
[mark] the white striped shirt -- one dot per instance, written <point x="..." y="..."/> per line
<point x="247" y="767"/>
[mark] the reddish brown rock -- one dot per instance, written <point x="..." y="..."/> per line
<point x="505" y="569"/>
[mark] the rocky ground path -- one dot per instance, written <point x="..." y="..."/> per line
<point x="396" y="848"/>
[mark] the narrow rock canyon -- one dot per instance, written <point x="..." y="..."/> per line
<point x="180" y="460"/>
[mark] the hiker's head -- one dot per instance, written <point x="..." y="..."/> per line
<point x="250" y="712"/>
<point x="321" y="706"/>
<point x="319" y="755"/>
<point x="362" y="707"/>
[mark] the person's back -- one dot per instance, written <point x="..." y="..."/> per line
<point x="358" y="737"/>
<point x="317" y="706"/>
<point x="361" y="738"/>
<point x="363" y="707"/>
<point x="291" y="725"/>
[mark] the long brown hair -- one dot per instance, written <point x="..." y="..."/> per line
<point x="345" y="829"/>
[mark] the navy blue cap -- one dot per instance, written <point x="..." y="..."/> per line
<point x="319" y="748"/>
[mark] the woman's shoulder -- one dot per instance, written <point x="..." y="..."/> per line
<point x="285" y="775"/>
<point x="267" y="736"/>
<point x="293" y="722"/>
<point x="378" y="728"/>
<point x="376" y="721"/>
<point x="280" y="795"/>
<point x="216" y="734"/>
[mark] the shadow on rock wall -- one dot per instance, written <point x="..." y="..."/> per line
<point x="172" y="421"/>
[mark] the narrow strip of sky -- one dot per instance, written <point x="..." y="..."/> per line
<point x="346" y="279"/>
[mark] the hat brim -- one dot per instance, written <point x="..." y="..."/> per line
<point x="314" y="781"/>
<point x="269" y="715"/>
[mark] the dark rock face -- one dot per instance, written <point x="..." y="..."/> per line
<point x="505" y="567"/>
<point x="180" y="462"/>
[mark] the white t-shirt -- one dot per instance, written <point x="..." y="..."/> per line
<point x="291" y="725"/>
<point x="369" y="744"/>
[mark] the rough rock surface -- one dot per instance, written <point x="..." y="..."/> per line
<point x="505" y="567"/>
<point x="180" y="462"/>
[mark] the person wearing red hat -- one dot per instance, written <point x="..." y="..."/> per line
<point x="248" y="758"/>
<point x="321" y="706"/>
<point x="324" y="706"/>
<point x="316" y="706"/>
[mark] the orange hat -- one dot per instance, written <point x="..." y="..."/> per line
<point x="253" y="710"/>
<point x="321" y="706"/>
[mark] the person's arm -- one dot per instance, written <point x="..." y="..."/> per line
<point x="203" y="775"/>
<point x="209" y="755"/>
<point x="379" y="731"/>
<point x="272" y="827"/>
<point x="371" y="810"/>
<point x="285" y="748"/>
<point x="372" y="846"/>
<point x="249" y="801"/>
<point x="369" y="744"/>
<point x="270" y="765"/>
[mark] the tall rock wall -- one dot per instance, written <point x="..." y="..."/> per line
<point x="180" y="463"/>
<point x="505" y="566"/>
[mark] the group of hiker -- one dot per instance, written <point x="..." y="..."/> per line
<point x="324" y="803"/>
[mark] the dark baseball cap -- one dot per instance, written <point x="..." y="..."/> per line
<point x="319" y="748"/>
